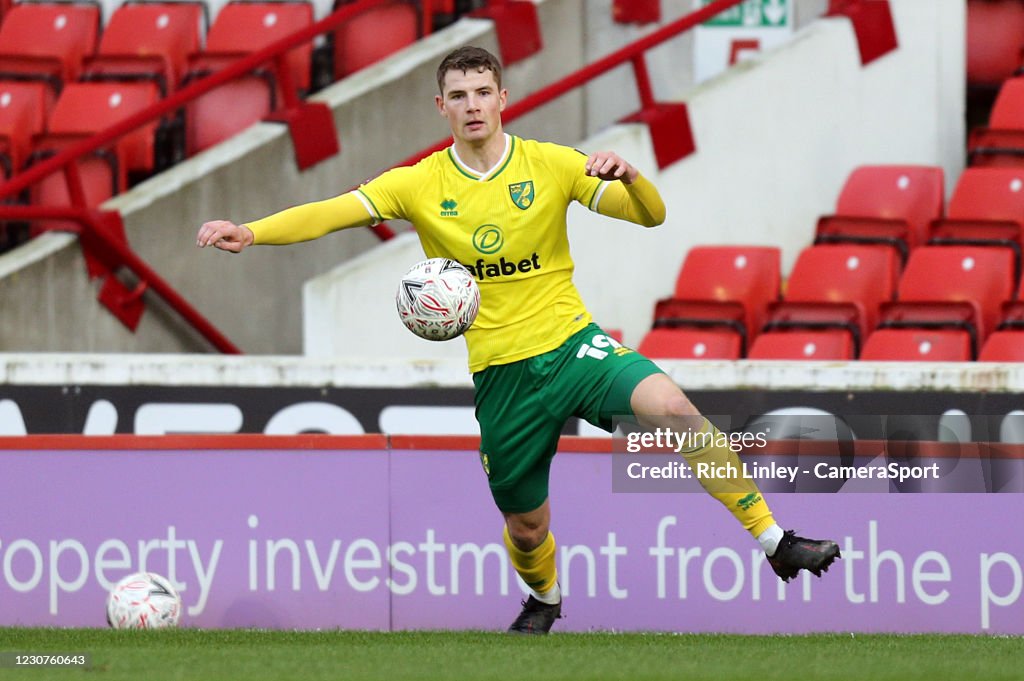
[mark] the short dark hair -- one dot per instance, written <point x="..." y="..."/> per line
<point x="466" y="59"/>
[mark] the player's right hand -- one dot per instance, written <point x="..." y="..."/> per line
<point x="225" y="235"/>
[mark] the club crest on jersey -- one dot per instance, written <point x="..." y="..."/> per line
<point x="522" y="194"/>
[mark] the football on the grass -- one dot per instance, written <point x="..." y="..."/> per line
<point x="438" y="299"/>
<point x="144" y="600"/>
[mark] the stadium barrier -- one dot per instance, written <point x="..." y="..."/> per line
<point x="389" y="533"/>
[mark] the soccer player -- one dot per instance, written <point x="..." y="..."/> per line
<point x="497" y="204"/>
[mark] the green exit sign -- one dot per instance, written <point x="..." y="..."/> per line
<point x="752" y="14"/>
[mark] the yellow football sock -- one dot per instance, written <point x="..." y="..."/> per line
<point x="536" y="567"/>
<point x="737" y="493"/>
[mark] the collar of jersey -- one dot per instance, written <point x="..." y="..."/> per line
<point x="494" y="171"/>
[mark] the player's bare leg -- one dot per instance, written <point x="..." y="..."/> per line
<point x="658" y="402"/>
<point x="531" y="547"/>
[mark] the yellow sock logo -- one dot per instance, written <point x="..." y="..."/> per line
<point x="746" y="502"/>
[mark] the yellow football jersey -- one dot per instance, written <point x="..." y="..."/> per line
<point x="508" y="227"/>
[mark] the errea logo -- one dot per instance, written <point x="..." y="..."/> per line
<point x="448" y="207"/>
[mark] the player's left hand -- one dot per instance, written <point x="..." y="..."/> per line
<point x="609" y="166"/>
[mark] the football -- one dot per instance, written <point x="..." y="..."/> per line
<point x="438" y="299"/>
<point x="143" y="600"/>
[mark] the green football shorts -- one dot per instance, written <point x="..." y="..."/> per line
<point x="522" y="407"/>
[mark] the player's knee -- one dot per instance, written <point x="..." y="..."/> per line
<point x="526" y="536"/>
<point x="683" y="414"/>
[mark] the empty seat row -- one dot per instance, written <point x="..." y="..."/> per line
<point x="60" y="41"/>
<point x="727" y="301"/>
<point x="934" y="345"/>
<point x="902" y="207"/>
<point x="51" y="45"/>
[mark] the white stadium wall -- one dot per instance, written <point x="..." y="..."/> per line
<point x="776" y="137"/>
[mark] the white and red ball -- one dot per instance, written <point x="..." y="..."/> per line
<point x="143" y="600"/>
<point x="438" y="299"/>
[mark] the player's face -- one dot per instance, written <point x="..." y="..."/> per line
<point x="472" y="103"/>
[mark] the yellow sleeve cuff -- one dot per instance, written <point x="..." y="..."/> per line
<point x="639" y="202"/>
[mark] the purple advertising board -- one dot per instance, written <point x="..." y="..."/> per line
<point x="336" y="532"/>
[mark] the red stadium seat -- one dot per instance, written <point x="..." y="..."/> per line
<point x="719" y="277"/>
<point x="803" y="345"/>
<point x="244" y="27"/>
<point x="892" y="205"/>
<point x="938" y="345"/>
<point x="690" y="343"/>
<point x="47" y="41"/>
<point x="83" y="110"/>
<point x="1003" y="346"/>
<point x="22" y="116"/>
<point x="837" y="286"/>
<point x="960" y="287"/>
<point x="148" y="40"/>
<point x="679" y="312"/>
<point x="1002" y="142"/>
<point x="986" y="209"/>
<point x="995" y="36"/>
<point x="88" y="108"/>
<point x="99" y="173"/>
<point x="241" y="28"/>
<point x="373" y="35"/>
<point x="227" y="110"/>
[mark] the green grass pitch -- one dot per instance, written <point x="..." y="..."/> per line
<point x="257" y="654"/>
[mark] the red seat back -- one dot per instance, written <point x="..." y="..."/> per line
<point x="1008" y="110"/>
<point x="243" y="27"/>
<point x="803" y="345"/>
<point x="980" y="276"/>
<point x="98" y="182"/>
<point x="1003" y="346"/>
<point x="916" y="345"/>
<point x="988" y="194"/>
<point x="690" y="343"/>
<point x="995" y="36"/>
<point x="373" y="35"/>
<point x="88" y="108"/>
<point x="64" y="31"/>
<point x="225" y="111"/>
<point x="22" y="115"/>
<point x="905" y="192"/>
<point x="864" y="275"/>
<point x="748" y="274"/>
<point x="169" y="30"/>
